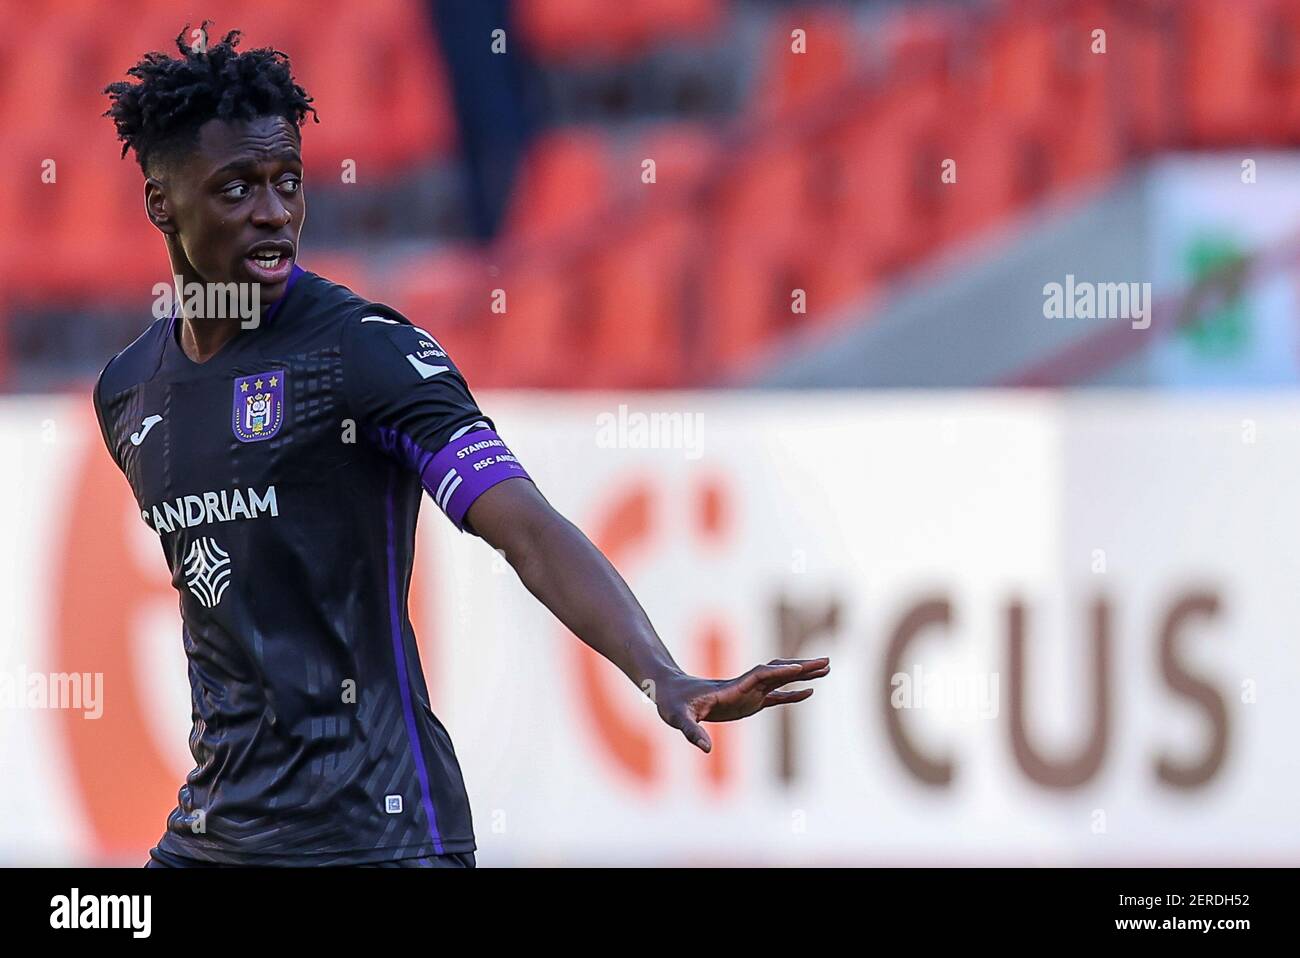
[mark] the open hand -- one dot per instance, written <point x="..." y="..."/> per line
<point x="685" y="700"/>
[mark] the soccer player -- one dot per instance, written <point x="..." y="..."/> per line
<point x="289" y="542"/>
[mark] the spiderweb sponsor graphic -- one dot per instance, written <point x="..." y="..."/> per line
<point x="207" y="571"/>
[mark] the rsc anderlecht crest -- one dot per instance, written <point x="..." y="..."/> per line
<point x="258" y="406"/>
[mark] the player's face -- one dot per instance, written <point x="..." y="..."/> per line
<point x="237" y="203"/>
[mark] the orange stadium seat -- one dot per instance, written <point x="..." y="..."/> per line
<point x="919" y="42"/>
<point x="990" y="176"/>
<point x="89" y="231"/>
<point x="636" y="285"/>
<point x="556" y="29"/>
<point x="843" y="274"/>
<point x="762" y="229"/>
<point x="1017" y="69"/>
<point x="869" y="163"/>
<point x="67" y="235"/>
<point x="1222" y="76"/>
<point x="747" y="296"/>
<point x="661" y="257"/>
<point x="20" y="167"/>
<point x="563" y="183"/>
<point x="840" y="250"/>
<point x="17" y="230"/>
<point x="1085" y="137"/>
<point x="1284" y="78"/>
<point x="893" y="154"/>
<point x="1144" y="61"/>
<point x="39" y="102"/>
<point x="681" y="17"/>
<point x="561" y="30"/>
<point x="536" y="341"/>
<point x="792" y="81"/>
<point x="379" y="89"/>
<point x="15" y="20"/>
<point x="764" y="195"/>
<point x="447" y="293"/>
<point x="684" y="153"/>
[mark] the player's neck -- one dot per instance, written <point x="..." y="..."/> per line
<point x="201" y="339"/>
<point x="207" y="322"/>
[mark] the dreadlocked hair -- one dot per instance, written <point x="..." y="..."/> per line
<point x="160" y="116"/>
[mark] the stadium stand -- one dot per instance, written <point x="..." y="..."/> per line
<point x="822" y="175"/>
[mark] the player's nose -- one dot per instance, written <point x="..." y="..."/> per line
<point x="271" y="210"/>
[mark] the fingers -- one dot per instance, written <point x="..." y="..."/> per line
<point x="696" y="735"/>
<point x="693" y="731"/>
<point x="786" y="698"/>
<point x="753" y="692"/>
<point x="808" y="665"/>
<point x="780" y="672"/>
<point x="768" y="677"/>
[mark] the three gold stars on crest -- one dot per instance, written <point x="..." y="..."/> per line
<point x="243" y="387"/>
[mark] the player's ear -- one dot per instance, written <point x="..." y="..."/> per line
<point x="157" y="206"/>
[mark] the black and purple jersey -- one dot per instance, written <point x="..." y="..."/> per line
<point x="283" y="478"/>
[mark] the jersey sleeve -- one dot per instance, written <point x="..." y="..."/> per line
<point x="413" y="403"/>
<point x="98" y="402"/>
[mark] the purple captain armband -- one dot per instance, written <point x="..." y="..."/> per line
<point x="466" y="468"/>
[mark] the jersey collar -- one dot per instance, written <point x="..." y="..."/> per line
<point x="288" y="288"/>
<point x="172" y="346"/>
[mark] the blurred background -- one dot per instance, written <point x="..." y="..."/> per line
<point x="955" y="340"/>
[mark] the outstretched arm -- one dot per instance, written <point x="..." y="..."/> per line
<point x="571" y="577"/>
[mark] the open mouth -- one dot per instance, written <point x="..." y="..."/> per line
<point x="270" y="264"/>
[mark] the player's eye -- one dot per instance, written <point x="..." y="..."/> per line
<point x="230" y="191"/>
<point x="291" y="184"/>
